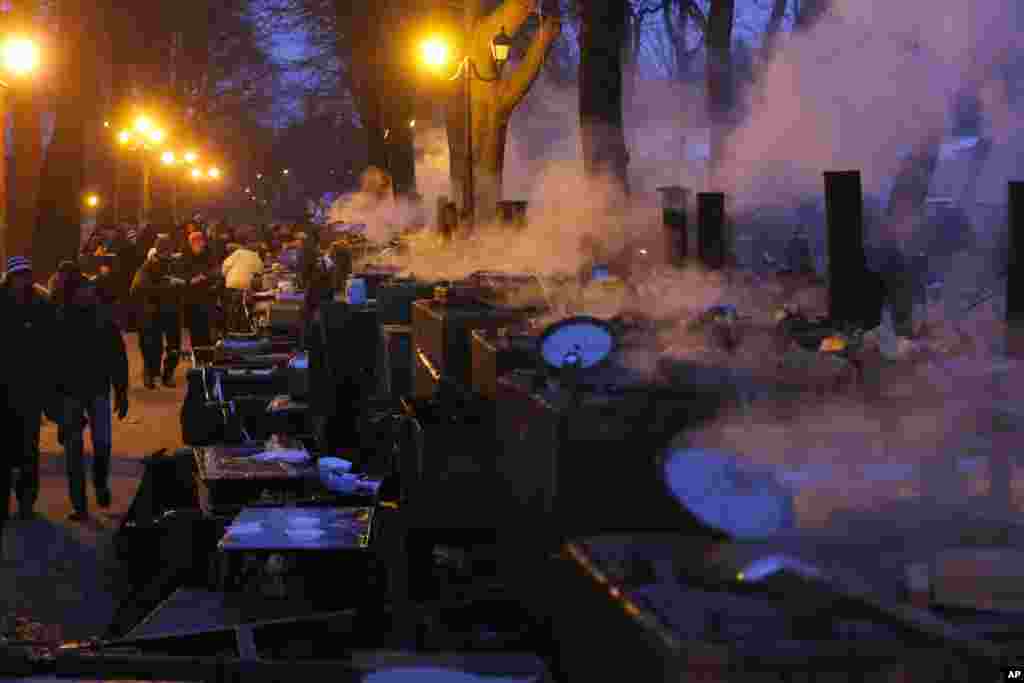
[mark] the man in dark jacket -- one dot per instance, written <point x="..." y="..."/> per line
<point x="27" y="379"/>
<point x="86" y="377"/>
<point x="158" y="290"/>
<point x="199" y="272"/>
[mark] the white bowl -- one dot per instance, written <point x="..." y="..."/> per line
<point x="338" y="465"/>
<point x="305" y="534"/>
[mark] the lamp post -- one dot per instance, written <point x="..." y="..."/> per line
<point x="19" y="57"/>
<point x="144" y="136"/>
<point x="435" y="54"/>
<point x="168" y="158"/>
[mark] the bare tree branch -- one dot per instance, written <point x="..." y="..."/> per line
<point x="696" y="14"/>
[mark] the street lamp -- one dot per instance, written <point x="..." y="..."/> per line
<point x="20" y="55"/>
<point x="143" y="135"/>
<point x="168" y="158"/>
<point x="214" y="173"/>
<point x="191" y="157"/>
<point x="435" y="54"/>
<point x="196" y="174"/>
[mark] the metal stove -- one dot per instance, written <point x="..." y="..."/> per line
<point x="579" y="445"/>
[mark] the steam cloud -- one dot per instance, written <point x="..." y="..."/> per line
<point x="867" y="85"/>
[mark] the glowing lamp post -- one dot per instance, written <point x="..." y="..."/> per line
<point x="144" y="135"/>
<point x="435" y="53"/>
<point x="20" y="56"/>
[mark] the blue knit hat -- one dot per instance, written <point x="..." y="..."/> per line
<point x="18" y="264"/>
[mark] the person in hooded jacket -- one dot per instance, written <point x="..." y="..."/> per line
<point x="85" y="387"/>
<point x="158" y="289"/>
<point x="27" y="379"/>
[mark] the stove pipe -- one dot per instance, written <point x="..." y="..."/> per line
<point x="711" y="247"/>
<point x="673" y="211"/>
<point x="847" y="264"/>
<point x="1015" y="269"/>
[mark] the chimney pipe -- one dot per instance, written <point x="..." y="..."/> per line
<point x="673" y="212"/>
<point x="854" y="293"/>
<point x="1015" y="270"/>
<point x="711" y="247"/>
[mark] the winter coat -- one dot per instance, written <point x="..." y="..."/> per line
<point x="99" y="360"/>
<point x="240" y="268"/>
<point x="190" y="266"/>
<point x="27" y="349"/>
<point x="153" y="289"/>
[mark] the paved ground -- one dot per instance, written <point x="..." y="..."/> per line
<point x="58" y="570"/>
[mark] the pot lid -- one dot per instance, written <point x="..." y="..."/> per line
<point x="581" y="339"/>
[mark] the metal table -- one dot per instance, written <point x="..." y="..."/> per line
<point x="285" y="536"/>
<point x="226" y="479"/>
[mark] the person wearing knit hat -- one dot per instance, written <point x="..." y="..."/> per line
<point x="158" y="289"/>
<point x="27" y="378"/>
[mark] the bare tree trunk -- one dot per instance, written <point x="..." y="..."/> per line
<point x="58" y="231"/>
<point x="771" y="31"/>
<point x="602" y="36"/>
<point x="28" y="152"/>
<point x="677" y="36"/>
<point x="809" y="12"/>
<point x="380" y="86"/>
<point x="719" y="80"/>
<point x="492" y="102"/>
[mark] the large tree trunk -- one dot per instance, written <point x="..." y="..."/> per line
<point x="58" y="231"/>
<point x="379" y="85"/>
<point x="719" y="81"/>
<point x="27" y="138"/>
<point x="492" y="102"/>
<point x="809" y="12"/>
<point x="602" y="36"/>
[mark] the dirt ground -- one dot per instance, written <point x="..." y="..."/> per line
<point x="58" y="572"/>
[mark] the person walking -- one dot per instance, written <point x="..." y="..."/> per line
<point x="26" y="373"/>
<point x="200" y="275"/>
<point x="85" y="382"/>
<point x="158" y="289"/>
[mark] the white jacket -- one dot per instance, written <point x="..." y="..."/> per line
<point x="240" y="267"/>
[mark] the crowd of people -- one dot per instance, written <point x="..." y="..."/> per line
<point x="155" y="282"/>
<point x="191" y="278"/>
<point x="158" y="283"/>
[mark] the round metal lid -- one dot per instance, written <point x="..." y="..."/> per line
<point x="743" y="500"/>
<point x="581" y="339"/>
